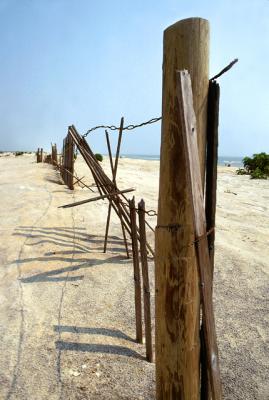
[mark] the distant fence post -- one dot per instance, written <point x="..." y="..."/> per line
<point x="177" y="283"/>
<point x="39" y="155"/>
<point x="54" y="157"/>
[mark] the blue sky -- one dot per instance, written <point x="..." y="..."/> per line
<point x="90" y="62"/>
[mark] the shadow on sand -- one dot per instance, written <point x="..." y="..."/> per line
<point x="93" y="347"/>
<point x="77" y="243"/>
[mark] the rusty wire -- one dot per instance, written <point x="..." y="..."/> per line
<point x="150" y="213"/>
<point x="125" y="128"/>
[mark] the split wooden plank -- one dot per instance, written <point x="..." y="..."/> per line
<point x="185" y="102"/>
<point x="145" y="274"/>
<point x="78" y="203"/>
<point x="137" y="281"/>
<point x="211" y="164"/>
<point x="210" y="203"/>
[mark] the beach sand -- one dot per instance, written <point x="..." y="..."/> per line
<point x="67" y="309"/>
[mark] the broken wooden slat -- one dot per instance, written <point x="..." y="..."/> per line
<point x="188" y="119"/>
<point x="78" y="203"/>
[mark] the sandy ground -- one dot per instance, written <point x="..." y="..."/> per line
<point x="67" y="309"/>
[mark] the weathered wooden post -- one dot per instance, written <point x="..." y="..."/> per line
<point x="71" y="162"/>
<point x="177" y="288"/>
<point x="137" y="281"/>
<point x="145" y="274"/>
<point x="64" y="160"/>
<point x="54" y="160"/>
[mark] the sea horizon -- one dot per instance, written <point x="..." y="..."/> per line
<point x="235" y="161"/>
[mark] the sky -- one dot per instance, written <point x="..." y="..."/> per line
<point x="91" y="62"/>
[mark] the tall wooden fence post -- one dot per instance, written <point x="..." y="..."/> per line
<point x="137" y="281"/>
<point x="177" y="283"/>
<point x="145" y="274"/>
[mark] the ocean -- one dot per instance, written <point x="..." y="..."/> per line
<point x="222" y="160"/>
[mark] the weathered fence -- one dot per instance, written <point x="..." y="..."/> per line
<point x="126" y="212"/>
<point x="39" y="155"/>
<point x="105" y="186"/>
<point x="184" y="259"/>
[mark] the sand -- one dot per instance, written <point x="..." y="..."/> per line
<point x="67" y="309"/>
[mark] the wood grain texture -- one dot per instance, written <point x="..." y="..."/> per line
<point x="199" y="219"/>
<point x="177" y="291"/>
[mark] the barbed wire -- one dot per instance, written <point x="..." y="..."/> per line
<point x="125" y="128"/>
<point x="150" y="213"/>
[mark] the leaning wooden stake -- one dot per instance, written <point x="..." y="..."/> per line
<point x="195" y="188"/>
<point x="177" y="289"/>
<point x="114" y="174"/>
<point x="145" y="274"/>
<point x="137" y="283"/>
<point x="110" y="204"/>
